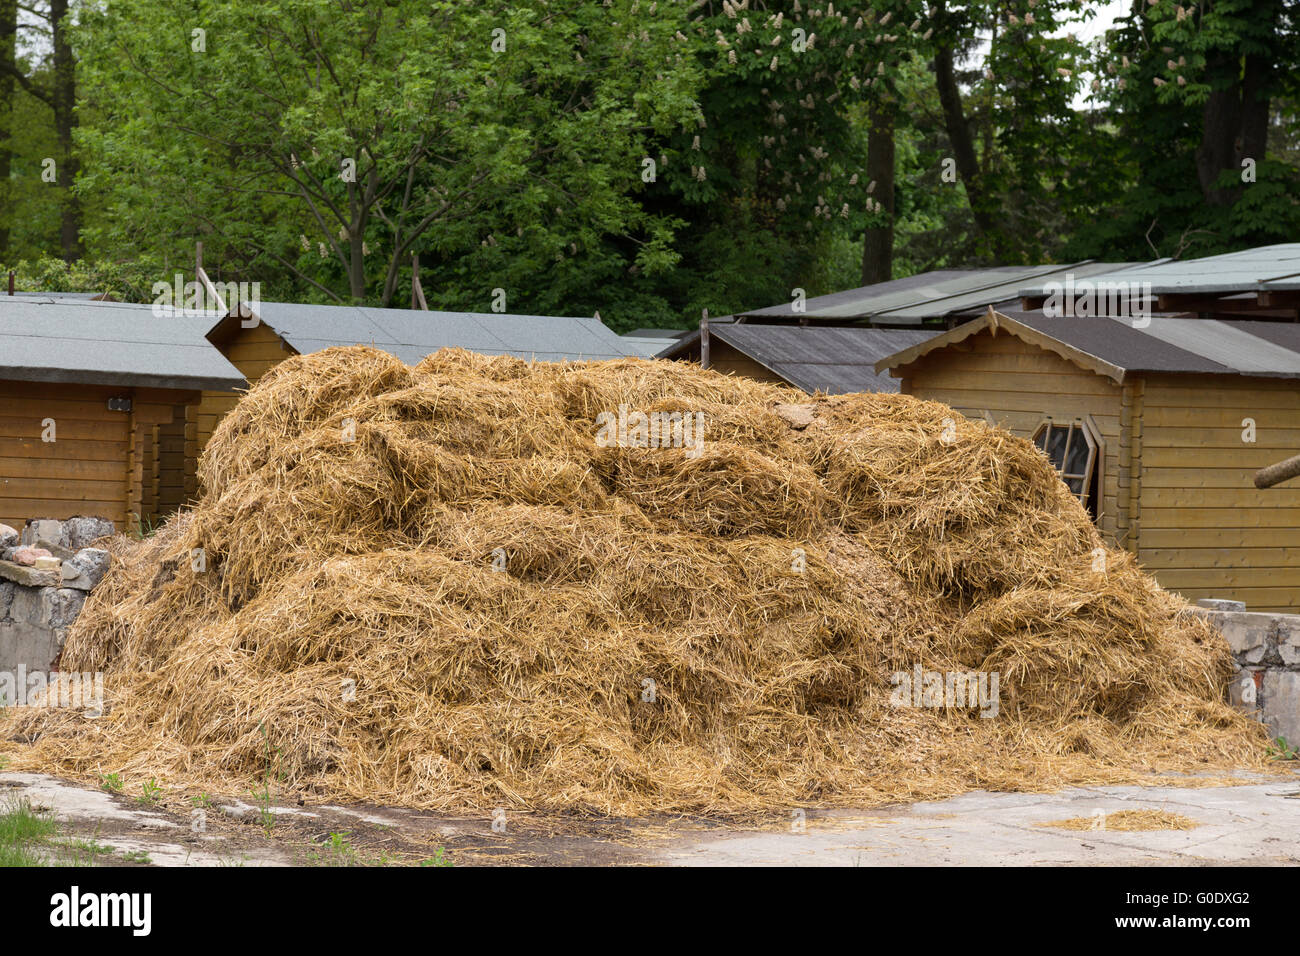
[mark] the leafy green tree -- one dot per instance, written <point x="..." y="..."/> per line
<point x="1204" y="99"/>
<point x="333" y="141"/>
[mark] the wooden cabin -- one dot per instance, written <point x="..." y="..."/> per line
<point x="92" y="397"/>
<point x="259" y="337"/>
<point x="1158" y="429"/>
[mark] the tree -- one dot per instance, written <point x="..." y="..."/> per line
<point x="8" y="86"/>
<point x="1204" y="100"/>
<point x="334" y="140"/>
<point x="56" y="87"/>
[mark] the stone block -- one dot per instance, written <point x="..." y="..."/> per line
<point x="82" y="531"/>
<point x="47" y="528"/>
<point x="64" y="605"/>
<point x="1288" y="638"/>
<point x="1282" y="704"/>
<point x="1244" y="691"/>
<point x="57" y="550"/>
<point x="48" y="563"/>
<point x="1247" y="633"/>
<point x="86" y="569"/>
<point x="9" y="537"/>
<point x="28" y="554"/>
<point x="6" y="598"/>
<point x="35" y="648"/>
<point x="27" y="576"/>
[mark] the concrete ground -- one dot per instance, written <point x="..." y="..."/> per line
<point x="1254" y="824"/>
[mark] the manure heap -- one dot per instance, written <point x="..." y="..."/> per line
<point x="438" y="586"/>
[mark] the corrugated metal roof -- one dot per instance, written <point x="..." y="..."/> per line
<point x="931" y="295"/>
<point x="646" y="346"/>
<point x="856" y="303"/>
<point x="656" y="333"/>
<point x="410" y="334"/>
<point x="813" y="358"/>
<point x="1263" y="268"/>
<point x="51" y="296"/>
<point x="109" y="343"/>
<point x="959" y="301"/>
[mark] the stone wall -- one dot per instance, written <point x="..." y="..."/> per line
<point x="1267" y="651"/>
<point x="46" y="571"/>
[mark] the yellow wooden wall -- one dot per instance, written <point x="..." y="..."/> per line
<point x="1018" y="385"/>
<point x="254" y="352"/>
<point x="731" y="361"/>
<point x="100" y="463"/>
<point x="1206" y="530"/>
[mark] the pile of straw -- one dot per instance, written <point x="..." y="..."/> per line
<point x="1127" y="821"/>
<point x="430" y="586"/>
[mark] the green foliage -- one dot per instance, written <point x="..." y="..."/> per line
<point x="646" y="160"/>
<point x="439" y="858"/>
<point x="127" y="281"/>
<point x="1160" y="70"/>
<point x="23" y="832"/>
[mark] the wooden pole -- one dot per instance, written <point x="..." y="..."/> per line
<point x="704" y="339"/>
<point x="417" y="290"/>
<point x="1278" y="472"/>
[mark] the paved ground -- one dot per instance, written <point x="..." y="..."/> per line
<point x="1257" y="824"/>
<point x="1249" y="825"/>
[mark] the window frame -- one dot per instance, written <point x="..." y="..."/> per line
<point x="1094" y="466"/>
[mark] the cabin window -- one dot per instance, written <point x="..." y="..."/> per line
<point x="1073" y="451"/>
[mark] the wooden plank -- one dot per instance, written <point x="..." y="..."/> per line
<point x="1278" y="437"/>
<point x="1245" y="498"/>
<point x="60" y="489"/>
<point x="1219" y="517"/>
<point x="65" y="428"/>
<point x="1037" y="383"/>
<point x="1210" y="396"/>
<point x="1282" y="600"/>
<point x="1285" y="557"/>
<point x="20" y="509"/>
<point x="66" y="450"/>
<point x="1010" y="362"/>
<point x="1220" y="417"/>
<point x="998" y="401"/>
<point x="61" y="468"/>
<point x="1223" y="578"/>
<point x="1247" y="538"/>
<point x="1247" y="456"/>
<point x="1202" y="478"/>
<point x="70" y="405"/>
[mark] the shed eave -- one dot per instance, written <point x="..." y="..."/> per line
<point x="63" y="376"/>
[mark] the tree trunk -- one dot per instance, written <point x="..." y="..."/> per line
<point x="963" y="145"/>
<point x="65" y="121"/>
<point x="1234" y="128"/>
<point x="878" y="244"/>
<point x="8" y="60"/>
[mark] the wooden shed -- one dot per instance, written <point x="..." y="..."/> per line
<point x="89" y="392"/>
<point x="1158" y="429"/>
<point x="258" y="338"/>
